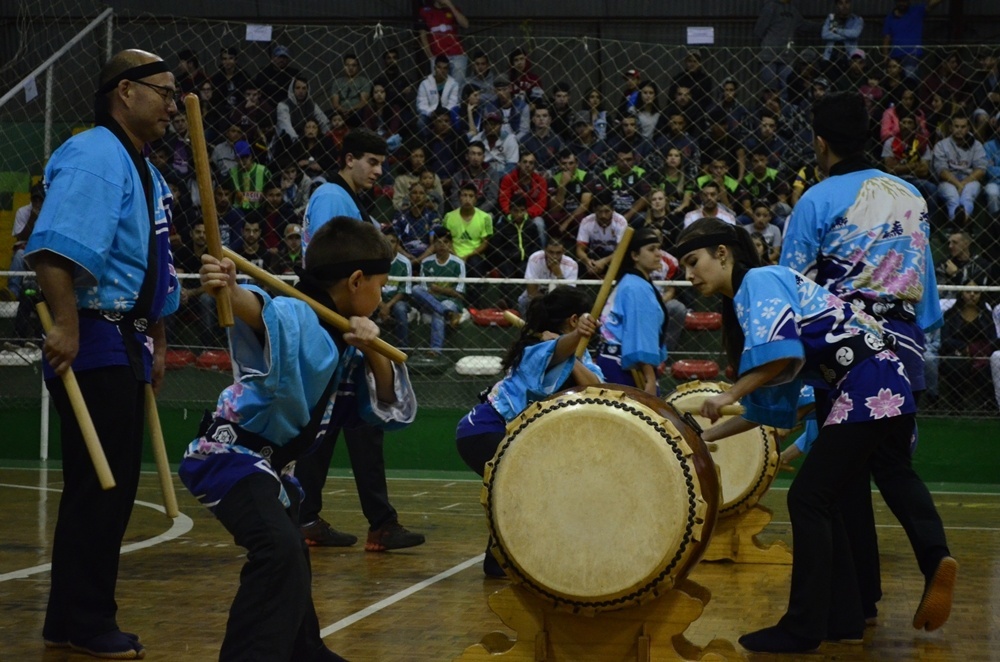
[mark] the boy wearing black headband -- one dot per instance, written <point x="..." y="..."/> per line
<point x="289" y="368"/>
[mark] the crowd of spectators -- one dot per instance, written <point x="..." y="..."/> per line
<point x="521" y="175"/>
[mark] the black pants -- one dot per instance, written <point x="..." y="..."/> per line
<point x="825" y="598"/>
<point x="92" y="521"/>
<point x="365" y="447"/>
<point x="477" y="450"/>
<point x="272" y="617"/>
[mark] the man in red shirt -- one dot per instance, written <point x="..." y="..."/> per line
<point x="438" y="22"/>
<point x="524" y="181"/>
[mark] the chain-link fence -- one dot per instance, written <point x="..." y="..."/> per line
<point x="637" y="129"/>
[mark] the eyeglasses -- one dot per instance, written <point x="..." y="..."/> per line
<point x="168" y="94"/>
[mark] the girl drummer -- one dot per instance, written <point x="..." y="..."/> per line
<point x="780" y="329"/>
<point x="539" y="363"/>
<point x="634" y="320"/>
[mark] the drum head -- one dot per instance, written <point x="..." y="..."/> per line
<point x="748" y="462"/>
<point x="596" y="501"/>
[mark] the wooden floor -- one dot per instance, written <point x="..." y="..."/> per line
<point x="429" y="603"/>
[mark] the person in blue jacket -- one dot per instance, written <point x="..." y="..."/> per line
<point x="779" y="330"/>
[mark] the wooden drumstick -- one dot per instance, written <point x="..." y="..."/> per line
<point x="609" y="277"/>
<point x="199" y="150"/>
<point x="514" y="320"/>
<point x="160" y="454"/>
<point x="337" y="321"/>
<point x="694" y="407"/>
<point x="81" y="412"/>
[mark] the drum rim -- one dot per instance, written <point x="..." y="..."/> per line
<point x="690" y="544"/>
<point x="768" y="472"/>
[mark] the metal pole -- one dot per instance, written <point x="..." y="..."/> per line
<point x="49" y="101"/>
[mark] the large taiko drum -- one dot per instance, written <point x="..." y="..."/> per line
<point x="600" y="498"/>
<point x="748" y="462"/>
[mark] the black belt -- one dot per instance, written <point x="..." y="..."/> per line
<point x="837" y="359"/>
<point x="890" y="310"/>
<point x="128" y="325"/>
<point x="227" y="432"/>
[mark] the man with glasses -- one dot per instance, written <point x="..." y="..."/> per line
<point x="101" y="252"/>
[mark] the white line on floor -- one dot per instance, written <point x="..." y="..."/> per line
<point x="451" y="506"/>
<point x="402" y="595"/>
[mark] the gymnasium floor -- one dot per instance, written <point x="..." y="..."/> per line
<point x="430" y="603"/>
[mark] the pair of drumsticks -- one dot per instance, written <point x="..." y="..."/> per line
<point x="225" y="314"/>
<point x="602" y="296"/>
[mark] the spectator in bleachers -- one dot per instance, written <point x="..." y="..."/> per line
<point x="438" y="22"/>
<point x="599" y="235"/>
<point x="840" y="33"/>
<point x="525" y="181"/>
<point x="799" y="84"/>
<point x="24" y="225"/>
<point x="775" y="29"/>
<point x="992" y="188"/>
<point x="766" y="141"/>
<point x="968" y="338"/>
<point x="252" y="249"/>
<point x="502" y="150"/>
<point x="189" y="75"/>
<point x="658" y="217"/>
<point x="297" y="108"/>
<point x="275" y="80"/>
<point x="735" y="112"/>
<point x="761" y="245"/>
<point x="182" y="214"/>
<point x="678" y="188"/>
<point x="764" y="183"/>
<point x="481" y="77"/>
<point x="513" y="110"/>
<point x="630" y="93"/>
<point x="476" y="173"/>
<point x="248" y="178"/>
<point x="382" y="116"/>
<point x="729" y="188"/>
<point x="290" y="252"/>
<point x="570" y="192"/>
<point x="409" y="173"/>
<point x="721" y="143"/>
<point x="762" y="225"/>
<point x="230" y="81"/>
<point x="590" y="150"/>
<point x="895" y="82"/>
<point x="351" y="90"/>
<point x="396" y="294"/>
<point x="432" y="184"/>
<point x="230" y="217"/>
<point x="874" y="95"/>
<point x="314" y="152"/>
<point x="514" y="241"/>
<point x="179" y="140"/>
<point x="594" y="114"/>
<point x="444" y="147"/>
<point x="467" y="118"/>
<point x="193" y="300"/>
<point x="890" y="117"/>
<point x="542" y="141"/>
<point x="808" y="176"/>
<point x="562" y="112"/>
<point x="682" y="103"/>
<point x="273" y="216"/>
<point x="960" y="165"/>
<point x="338" y="130"/>
<point x="710" y="207"/>
<point x="696" y="79"/>
<point x="161" y="155"/>
<point x="439" y="90"/>
<point x="398" y="90"/>
<point x="525" y="84"/>
<point x="939" y="118"/>
<point x="413" y="224"/>
<point x="251" y="113"/>
<point x="903" y="30"/>
<point x="948" y="80"/>
<point x="627" y="184"/>
<point x="471" y="229"/>
<point x="444" y="300"/>
<point x="677" y="137"/>
<point x="647" y="111"/>
<point x="214" y="115"/>
<point x="295" y="187"/>
<point x="983" y="87"/>
<point x="908" y="154"/>
<point x="551" y="263"/>
<point x="856" y="73"/>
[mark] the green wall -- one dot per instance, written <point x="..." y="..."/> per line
<point x="950" y="450"/>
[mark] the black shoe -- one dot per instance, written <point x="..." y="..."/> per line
<point x="392" y="536"/>
<point x="491" y="567"/>
<point x="776" y="639"/>
<point x="321" y="534"/>
<point x="111" y="646"/>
